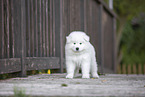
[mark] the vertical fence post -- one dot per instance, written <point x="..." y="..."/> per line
<point x="51" y="25"/>
<point x="119" y="69"/>
<point x="61" y="36"/>
<point x="2" y="29"/>
<point x="139" y="69"/>
<point x="134" y="69"/>
<point x="114" y="52"/>
<point x="124" y="68"/>
<point x="129" y="69"/>
<point x="7" y="29"/>
<point x="85" y="19"/>
<point x="23" y="38"/>
<point x="47" y="28"/>
<point x="100" y="40"/>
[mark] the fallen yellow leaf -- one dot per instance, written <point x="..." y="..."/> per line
<point x="48" y="72"/>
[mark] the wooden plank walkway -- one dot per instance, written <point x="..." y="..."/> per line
<point x="56" y="85"/>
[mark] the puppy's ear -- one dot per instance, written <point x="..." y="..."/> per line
<point x="67" y="39"/>
<point x="86" y="38"/>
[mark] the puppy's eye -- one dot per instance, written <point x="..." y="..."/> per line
<point x="74" y="43"/>
<point x="80" y="43"/>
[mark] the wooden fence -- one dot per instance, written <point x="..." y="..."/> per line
<point x="131" y="69"/>
<point x="32" y="33"/>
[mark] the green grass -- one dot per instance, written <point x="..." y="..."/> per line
<point x="20" y="92"/>
<point x="64" y="85"/>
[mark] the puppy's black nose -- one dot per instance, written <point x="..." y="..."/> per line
<point x="77" y="49"/>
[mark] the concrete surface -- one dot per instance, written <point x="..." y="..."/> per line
<point x="56" y="85"/>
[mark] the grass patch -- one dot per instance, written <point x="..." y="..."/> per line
<point x="20" y="92"/>
<point x="64" y="85"/>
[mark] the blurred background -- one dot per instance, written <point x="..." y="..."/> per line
<point x="130" y="35"/>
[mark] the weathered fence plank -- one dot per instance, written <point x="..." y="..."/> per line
<point x="17" y="28"/>
<point x="114" y="47"/>
<point x="1" y="29"/>
<point x="32" y="27"/>
<point x="28" y="47"/>
<point x="32" y="63"/>
<point x="51" y="27"/>
<point x="23" y="39"/>
<point x="43" y="28"/>
<point x="36" y="28"/>
<point x="8" y="30"/>
<point x="40" y="28"/>
<point x="47" y="28"/>
<point x="101" y="40"/>
<point x="12" y="53"/>
<point x="39" y="63"/>
<point x="61" y="51"/>
<point x="134" y="69"/>
<point x="129" y="69"/>
<point x="140" y="69"/>
<point x="124" y="69"/>
<point x="119" y="69"/>
<point x="10" y="65"/>
<point x="56" y="28"/>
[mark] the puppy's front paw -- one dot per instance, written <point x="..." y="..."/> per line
<point x="69" y="76"/>
<point x="86" y="76"/>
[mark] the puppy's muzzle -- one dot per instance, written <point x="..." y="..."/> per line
<point x="77" y="49"/>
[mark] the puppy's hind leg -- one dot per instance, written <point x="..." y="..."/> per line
<point x="94" y="70"/>
<point x="85" y="69"/>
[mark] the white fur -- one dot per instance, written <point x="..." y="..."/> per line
<point x="80" y="53"/>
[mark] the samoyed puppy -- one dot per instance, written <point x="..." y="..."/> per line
<point x="80" y="53"/>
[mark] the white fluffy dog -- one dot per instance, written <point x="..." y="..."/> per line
<point x="80" y="53"/>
